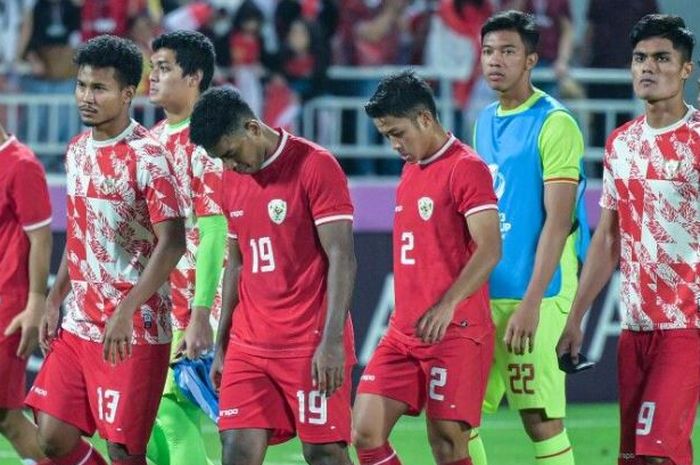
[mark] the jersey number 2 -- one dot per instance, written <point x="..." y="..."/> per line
<point x="407" y="245"/>
<point x="263" y="258"/>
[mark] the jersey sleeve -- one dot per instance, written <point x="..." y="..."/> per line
<point x="561" y="148"/>
<point x="327" y="189"/>
<point x="206" y="184"/>
<point x="608" y="198"/>
<point x="30" y="194"/>
<point x="471" y="186"/>
<point x="157" y="182"/>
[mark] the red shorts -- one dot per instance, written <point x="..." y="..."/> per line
<point x="278" y="395"/>
<point x="448" y="378"/>
<point x="13" y="371"/>
<point x="78" y="387"/>
<point x="659" y="383"/>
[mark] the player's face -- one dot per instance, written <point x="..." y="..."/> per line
<point x="505" y="61"/>
<point x="243" y="151"/>
<point x="167" y="84"/>
<point x="100" y="96"/>
<point x="658" y="70"/>
<point x="408" y="136"/>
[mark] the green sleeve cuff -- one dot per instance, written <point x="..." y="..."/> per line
<point x="209" y="259"/>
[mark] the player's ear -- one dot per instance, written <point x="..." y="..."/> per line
<point x="531" y="60"/>
<point x="687" y="69"/>
<point x="194" y="79"/>
<point x="253" y="128"/>
<point x="424" y="118"/>
<point x="128" y="94"/>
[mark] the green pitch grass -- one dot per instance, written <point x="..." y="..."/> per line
<point x="593" y="429"/>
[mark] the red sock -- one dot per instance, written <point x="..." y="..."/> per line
<point x="466" y="461"/>
<point x="382" y="455"/>
<point x="83" y="453"/>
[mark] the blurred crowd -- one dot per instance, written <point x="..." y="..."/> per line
<point x="277" y="52"/>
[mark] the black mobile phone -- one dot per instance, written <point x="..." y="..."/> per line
<point x="567" y="365"/>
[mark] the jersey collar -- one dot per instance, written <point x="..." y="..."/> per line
<point x="280" y="147"/>
<point x="672" y="127"/>
<point x="440" y="152"/>
<point x="115" y="139"/>
<point x="7" y="143"/>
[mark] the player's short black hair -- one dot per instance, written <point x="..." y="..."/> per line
<point x="513" y="20"/>
<point x="669" y="27"/>
<point x="193" y="52"/>
<point x="107" y="51"/>
<point x="218" y="112"/>
<point x="401" y="95"/>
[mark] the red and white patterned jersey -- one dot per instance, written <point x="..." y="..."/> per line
<point x="274" y="214"/>
<point x="652" y="180"/>
<point x="199" y="181"/>
<point x="432" y="242"/>
<point x="24" y="206"/>
<point x="117" y="189"/>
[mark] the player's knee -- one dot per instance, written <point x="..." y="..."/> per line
<point x="366" y="438"/>
<point x="235" y="452"/>
<point x="448" y="444"/>
<point x="658" y="461"/>
<point x="326" y="454"/>
<point x="539" y="428"/>
<point x="119" y="452"/>
<point x="54" y="445"/>
<point x="8" y="427"/>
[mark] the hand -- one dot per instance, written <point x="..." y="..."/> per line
<point x="49" y="324"/>
<point x="328" y="367"/>
<point x="217" y="367"/>
<point x="571" y="340"/>
<point x="432" y="326"/>
<point x="199" y="337"/>
<point x="520" y="332"/>
<point x="561" y="69"/>
<point x="28" y="322"/>
<point x="118" y="332"/>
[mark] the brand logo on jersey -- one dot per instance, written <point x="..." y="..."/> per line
<point x="398" y="208"/>
<point x="277" y="209"/>
<point x="39" y="391"/>
<point x="229" y="412"/>
<point x="425" y="208"/>
<point x="236" y="213"/>
<point x="499" y="181"/>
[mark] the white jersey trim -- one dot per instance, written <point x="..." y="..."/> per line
<point x="672" y="127"/>
<point x="279" y="150"/>
<point x="480" y="208"/>
<point x="5" y="144"/>
<point x="330" y="219"/>
<point x="115" y="139"/>
<point x="40" y="224"/>
<point x="440" y="152"/>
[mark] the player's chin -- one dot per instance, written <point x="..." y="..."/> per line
<point x="89" y="122"/>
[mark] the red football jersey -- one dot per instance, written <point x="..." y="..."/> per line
<point x="117" y="189"/>
<point x="274" y="214"/>
<point x="199" y="182"/>
<point x="24" y="206"/>
<point x="431" y="239"/>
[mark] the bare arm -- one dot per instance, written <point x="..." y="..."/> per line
<point x="566" y="47"/>
<point x="559" y="200"/>
<point x="229" y="301"/>
<point x="169" y="248"/>
<point x="29" y="319"/>
<point x="602" y="259"/>
<point x="484" y="228"/>
<point x="375" y="29"/>
<point x="328" y="364"/>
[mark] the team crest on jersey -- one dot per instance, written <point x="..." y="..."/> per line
<point x="499" y="181"/>
<point x="425" y="208"/>
<point x="277" y="209"/>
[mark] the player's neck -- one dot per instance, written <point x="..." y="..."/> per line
<point x="516" y="96"/>
<point x="665" y="112"/>
<point x="176" y="114"/>
<point x="110" y="129"/>
<point x="272" y="140"/>
<point x="438" y="138"/>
